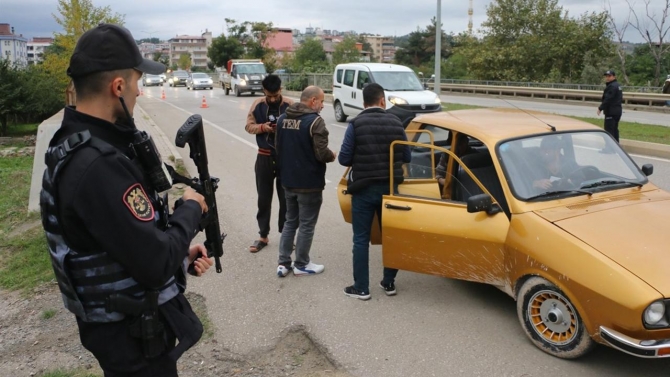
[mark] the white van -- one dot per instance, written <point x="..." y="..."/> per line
<point x="401" y="86"/>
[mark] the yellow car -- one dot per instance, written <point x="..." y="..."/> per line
<point x="548" y="209"/>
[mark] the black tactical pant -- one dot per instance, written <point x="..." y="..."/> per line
<point x="267" y="176"/>
<point x="612" y="125"/>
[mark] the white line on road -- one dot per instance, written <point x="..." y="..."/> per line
<point x="339" y="125"/>
<point x="233" y="101"/>
<point x="223" y="130"/>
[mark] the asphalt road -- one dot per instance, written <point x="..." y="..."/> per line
<point x="564" y="108"/>
<point x="433" y="327"/>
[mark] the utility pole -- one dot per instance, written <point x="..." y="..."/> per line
<point x="438" y="47"/>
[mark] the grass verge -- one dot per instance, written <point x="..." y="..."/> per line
<point x="24" y="261"/>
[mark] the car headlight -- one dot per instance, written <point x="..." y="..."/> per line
<point x="243" y="82"/>
<point x="654" y="315"/>
<point x="397" y="100"/>
<point x="438" y="100"/>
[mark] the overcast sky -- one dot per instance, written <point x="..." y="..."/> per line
<point x="167" y="18"/>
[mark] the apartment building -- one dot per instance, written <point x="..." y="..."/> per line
<point x="383" y="48"/>
<point x="35" y="49"/>
<point x="196" y="46"/>
<point x="13" y="47"/>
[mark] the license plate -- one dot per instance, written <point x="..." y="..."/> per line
<point x="256" y="87"/>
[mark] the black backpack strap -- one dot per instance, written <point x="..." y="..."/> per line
<point x="67" y="147"/>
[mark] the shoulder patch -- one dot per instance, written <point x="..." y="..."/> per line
<point x="138" y="203"/>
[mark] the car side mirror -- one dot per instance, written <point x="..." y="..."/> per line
<point x="482" y="203"/>
<point x="648" y="169"/>
<point x="425" y="86"/>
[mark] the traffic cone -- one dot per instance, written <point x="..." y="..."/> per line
<point x="204" y="103"/>
<point x="163" y="94"/>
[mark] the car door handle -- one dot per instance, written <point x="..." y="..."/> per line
<point x="401" y="208"/>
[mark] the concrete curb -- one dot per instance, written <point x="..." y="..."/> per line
<point x="630" y="146"/>
<point x="47" y="129"/>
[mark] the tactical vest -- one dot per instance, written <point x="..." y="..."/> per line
<point x="298" y="165"/>
<point x="85" y="280"/>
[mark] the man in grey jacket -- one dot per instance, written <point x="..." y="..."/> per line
<point x="302" y="153"/>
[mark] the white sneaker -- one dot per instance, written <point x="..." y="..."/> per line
<point x="309" y="269"/>
<point x="282" y="271"/>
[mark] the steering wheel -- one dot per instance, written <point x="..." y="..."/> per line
<point x="577" y="175"/>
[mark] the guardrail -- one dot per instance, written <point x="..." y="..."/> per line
<point x="629" y="98"/>
<point x="632" y="95"/>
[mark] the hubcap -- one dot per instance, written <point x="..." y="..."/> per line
<point x="338" y="110"/>
<point x="553" y="318"/>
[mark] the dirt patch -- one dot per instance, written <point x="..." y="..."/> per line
<point x="37" y="335"/>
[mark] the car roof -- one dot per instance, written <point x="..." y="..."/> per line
<point x="376" y="67"/>
<point x="491" y="125"/>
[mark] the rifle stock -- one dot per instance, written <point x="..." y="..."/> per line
<point x="192" y="133"/>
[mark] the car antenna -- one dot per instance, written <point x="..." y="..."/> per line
<point x="553" y="129"/>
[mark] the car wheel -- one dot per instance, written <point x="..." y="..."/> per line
<point x="226" y="89"/>
<point x="550" y="320"/>
<point x="237" y="91"/>
<point x="339" y="112"/>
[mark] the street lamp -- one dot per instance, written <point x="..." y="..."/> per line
<point x="438" y="48"/>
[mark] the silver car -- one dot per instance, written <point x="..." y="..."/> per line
<point x="199" y="80"/>
<point x="151" y="80"/>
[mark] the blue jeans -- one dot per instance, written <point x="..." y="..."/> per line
<point x="364" y="205"/>
<point x="302" y="212"/>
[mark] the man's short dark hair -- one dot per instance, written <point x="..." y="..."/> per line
<point x="94" y="83"/>
<point x="272" y="83"/>
<point x="372" y="94"/>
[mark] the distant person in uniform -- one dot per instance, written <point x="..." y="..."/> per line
<point x="611" y="104"/>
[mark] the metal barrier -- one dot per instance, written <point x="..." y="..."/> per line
<point x="629" y="98"/>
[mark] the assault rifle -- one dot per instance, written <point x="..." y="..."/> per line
<point x="192" y="133"/>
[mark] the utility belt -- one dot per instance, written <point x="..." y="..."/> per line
<point x="145" y="324"/>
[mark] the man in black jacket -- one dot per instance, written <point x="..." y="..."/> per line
<point x="611" y="104"/>
<point x="367" y="149"/>
<point x="118" y="255"/>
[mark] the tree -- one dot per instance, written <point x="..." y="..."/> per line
<point x="310" y="57"/>
<point x="346" y="51"/>
<point x="185" y="61"/>
<point x="656" y="37"/>
<point x="419" y="47"/>
<point x="223" y="49"/>
<point x="12" y="94"/>
<point x="619" y="30"/>
<point x="76" y="17"/>
<point x="535" y="40"/>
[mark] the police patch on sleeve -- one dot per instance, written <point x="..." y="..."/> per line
<point x="138" y="203"/>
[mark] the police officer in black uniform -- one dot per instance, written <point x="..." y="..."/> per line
<point x="119" y="257"/>
<point x="611" y="104"/>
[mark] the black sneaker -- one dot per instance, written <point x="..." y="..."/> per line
<point x="389" y="289"/>
<point x="353" y="292"/>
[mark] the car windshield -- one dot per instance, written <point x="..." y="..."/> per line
<point x="397" y="81"/>
<point x="251" y="69"/>
<point x="181" y="74"/>
<point x="565" y="164"/>
<point x="153" y="77"/>
<point x="200" y="76"/>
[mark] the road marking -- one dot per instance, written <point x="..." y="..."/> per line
<point x="339" y="125"/>
<point x="233" y="101"/>
<point x="252" y="145"/>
